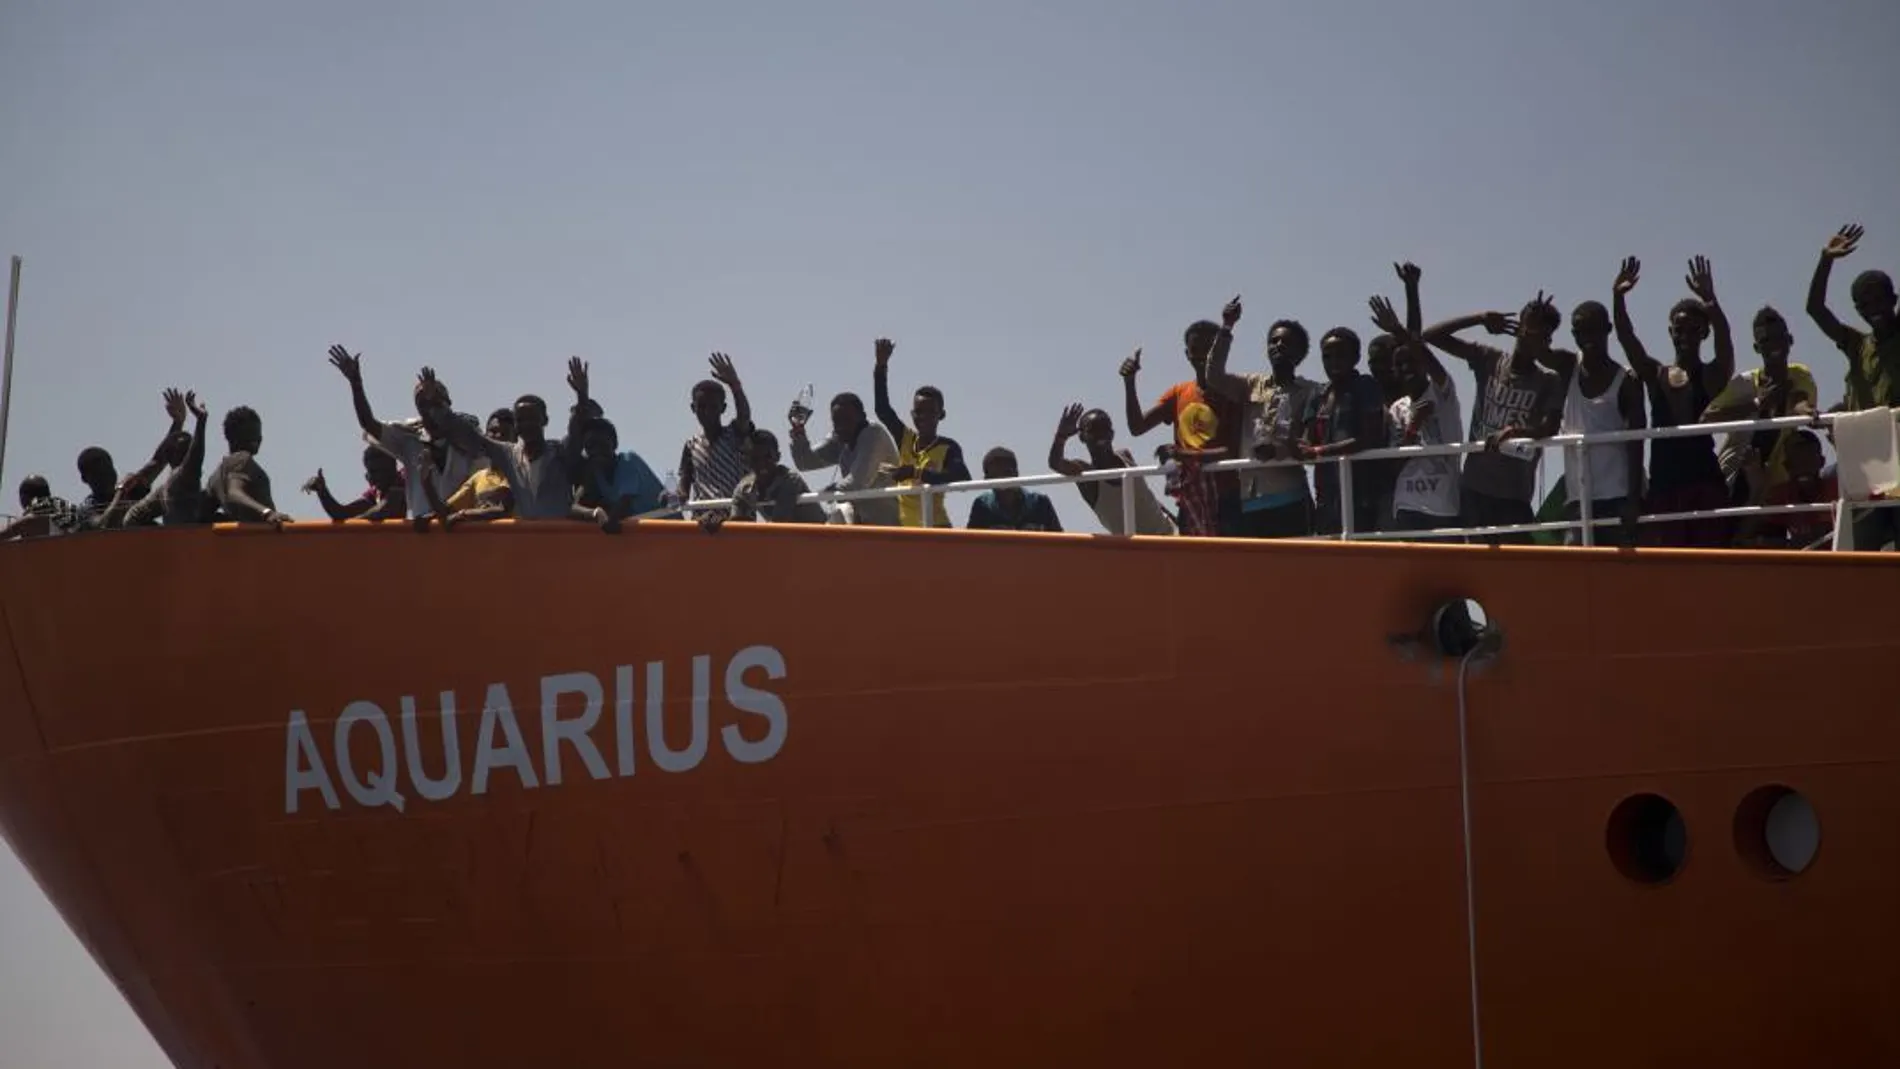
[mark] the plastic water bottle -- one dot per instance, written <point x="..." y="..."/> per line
<point x="801" y="406"/>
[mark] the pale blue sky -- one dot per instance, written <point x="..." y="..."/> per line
<point x="209" y="194"/>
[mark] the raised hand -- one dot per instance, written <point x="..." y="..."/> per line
<point x="426" y="382"/>
<point x="1701" y="279"/>
<point x="1408" y="273"/>
<point x="350" y="365"/>
<point x="885" y="347"/>
<point x="577" y="376"/>
<point x="174" y="405"/>
<point x="1501" y="323"/>
<point x="197" y="407"/>
<point x="723" y="370"/>
<point x="316" y="483"/>
<point x="1627" y="275"/>
<point x="1384" y="317"/>
<point x="1070" y="424"/>
<point x="1230" y="315"/>
<point x="1844" y="241"/>
<point x="1132" y="366"/>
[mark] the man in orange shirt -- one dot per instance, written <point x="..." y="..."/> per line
<point x="1200" y="341"/>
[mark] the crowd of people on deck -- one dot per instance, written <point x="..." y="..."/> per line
<point x="443" y="466"/>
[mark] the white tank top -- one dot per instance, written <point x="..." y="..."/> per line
<point x="1609" y="464"/>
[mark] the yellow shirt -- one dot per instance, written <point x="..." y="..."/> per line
<point x="482" y="488"/>
<point x="1743" y="391"/>
<point x="1873" y="369"/>
<point x="941" y="456"/>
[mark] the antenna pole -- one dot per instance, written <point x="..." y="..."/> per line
<point x="6" y="369"/>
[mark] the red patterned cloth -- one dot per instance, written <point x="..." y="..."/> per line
<point x="1195" y="498"/>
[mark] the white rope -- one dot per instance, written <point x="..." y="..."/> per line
<point x="1471" y="888"/>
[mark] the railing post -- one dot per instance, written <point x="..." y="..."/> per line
<point x="1128" y="503"/>
<point x="1585" y="492"/>
<point x="1345" y="497"/>
<point x="929" y="510"/>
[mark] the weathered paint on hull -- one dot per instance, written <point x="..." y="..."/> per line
<point x="1040" y="800"/>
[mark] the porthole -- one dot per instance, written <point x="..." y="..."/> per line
<point x="1777" y="832"/>
<point x="1458" y="626"/>
<point x="1647" y="838"/>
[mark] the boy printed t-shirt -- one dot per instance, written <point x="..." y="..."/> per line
<point x="1429" y="485"/>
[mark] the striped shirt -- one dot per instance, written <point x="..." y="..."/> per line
<point x="717" y="465"/>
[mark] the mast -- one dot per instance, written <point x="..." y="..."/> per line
<point x="6" y="368"/>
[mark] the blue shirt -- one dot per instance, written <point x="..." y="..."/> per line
<point x="631" y="478"/>
<point x="1037" y="514"/>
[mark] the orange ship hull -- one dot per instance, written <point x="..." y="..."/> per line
<point x="946" y="799"/>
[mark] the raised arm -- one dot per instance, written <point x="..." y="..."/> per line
<point x="1627" y="275"/>
<point x="1409" y="274"/>
<point x="807" y="457"/>
<point x="1068" y="427"/>
<point x="139" y="486"/>
<point x="585" y="409"/>
<point x="1701" y="282"/>
<point x="1140" y="421"/>
<point x="881" y="390"/>
<point x="175" y="409"/>
<point x="189" y="471"/>
<point x="1444" y="336"/>
<point x="1219" y="379"/>
<point x="468" y="439"/>
<point x="338" y="511"/>
<point x="1387" y="321"/>
<point x="1840" y="245"/>
<point x="193" y="467"/>
<point x="725" y="373"/>
<point x="351" y="367"/>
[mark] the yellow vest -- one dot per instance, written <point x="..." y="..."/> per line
<point x="910" y="510"/>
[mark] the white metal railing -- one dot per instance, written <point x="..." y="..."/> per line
<point x="1586" y="522"/>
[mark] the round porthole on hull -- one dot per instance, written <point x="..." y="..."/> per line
<point x="1647" y="839"/>
<point x="1777" y="832"/>
<point x="1456" y="627"/>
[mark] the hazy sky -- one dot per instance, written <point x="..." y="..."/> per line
<point x="209" y="194"/>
